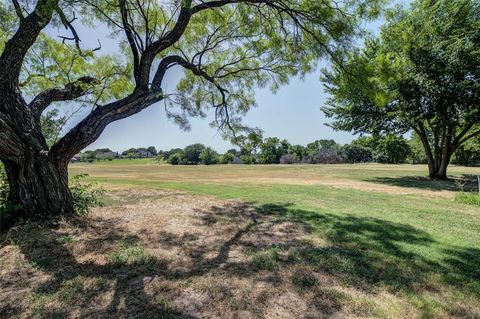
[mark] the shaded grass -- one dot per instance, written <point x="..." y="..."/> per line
<point x="360" y="253"/>
<point x="360" y="259"/>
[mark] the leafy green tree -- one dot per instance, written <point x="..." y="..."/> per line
<point x="272" y="149"/>
<point x="392" y="149"/>
<point x="468" y="154"/>
<point x="166" y="154"/>
<point x="152" y="150"/>
<point x="319" y="145"/>
<point x="233" y="151"/>
<point x="175" y="158"/>
<point x="249" y="143"/>
<point x="324" y="151"/>
<point x="88" y="156"/>
<point x="191" y="153"/>
<point x="420" y="75"/>
<point x="247" y="159"/>
<point x="358" y="154"/>
<point x="208" y="156"/>
<point x="298" y="150"/>
<point x="417" y="152"/>
<point x="227" y="158"/>
<point x="370" y="142"/>
<point x="226" y="48"/>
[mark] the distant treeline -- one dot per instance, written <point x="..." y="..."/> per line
<point x="254" y="149"/>
<point x="108" y="154"/>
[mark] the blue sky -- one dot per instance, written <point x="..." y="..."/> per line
<point x="293" y="113"/>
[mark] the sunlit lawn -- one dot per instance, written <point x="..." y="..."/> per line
<point x="262" y="241"/>
<point x="391" y="229"/>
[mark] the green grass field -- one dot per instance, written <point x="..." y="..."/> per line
<point x="386" y="226"/>
<point x="345" y="240"/>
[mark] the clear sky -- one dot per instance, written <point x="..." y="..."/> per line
<point x="293" y="113"/>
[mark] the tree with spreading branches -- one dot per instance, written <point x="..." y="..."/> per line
<point x="224" y="47"/>
<point x="422" y="75"/>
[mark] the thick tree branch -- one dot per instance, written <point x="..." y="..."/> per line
<point x="465" y="130"/>
<point x="16" y="48"/>
<point x="90" y="128"/>
<point x="69" y="92"/>
<point x="186" y="12"/>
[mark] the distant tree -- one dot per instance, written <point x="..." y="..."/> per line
<point x="191" y="153"/>
<point x="130" y="153"/>
<point x="152" y="150"/>
<point x="175" y="158"/>
<point x="324" y="151"/>
<point x="370" y="142"/>
<point x="104" y="154"/>
<point x="233" y="151"/>
<point x="249" y="143"/>
<point x="299" y="151"/>
<point x="417" y="152"/>
<point x="272" y="149"/>
<point x="421" y="74"/>
<point x="227" y="158"/>
<point x="208" y="156"/>
<point x="358" y="154"/>
<point x="88" y="156"/>
<point x="245" y="159"/>
<point x="289" y="159"/>
<point x="103" y="150"/>
<point x="392" y="149"/>
<point x="318" y="145"/>
<point x="468" y="154"/>
<point x="166" y="154"/>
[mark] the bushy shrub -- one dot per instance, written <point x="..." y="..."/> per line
<point x="86" y="195"/>
<point x="289" y="159"/>
<point x="175" y="159"/>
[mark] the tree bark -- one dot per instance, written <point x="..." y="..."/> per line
<point x="38" y="188"/>
<point x="38" y="182"/>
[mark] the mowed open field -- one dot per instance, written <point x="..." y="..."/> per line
<point x="263" y="241"/>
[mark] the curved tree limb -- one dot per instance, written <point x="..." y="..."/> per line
<point x="16" y="48"/>
<point x="69" y="92"/>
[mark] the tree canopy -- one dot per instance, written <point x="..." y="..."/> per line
<point x="422" y="74"/>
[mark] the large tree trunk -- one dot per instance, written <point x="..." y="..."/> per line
<point x="39" y="188"/>
<point x="38" y="182"/>
<point x="437" y="167"/>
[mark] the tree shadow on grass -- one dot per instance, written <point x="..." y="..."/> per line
<point x="367" y="254"/>
<point x="75" y="284"/>
<point x="469" y="182"/>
